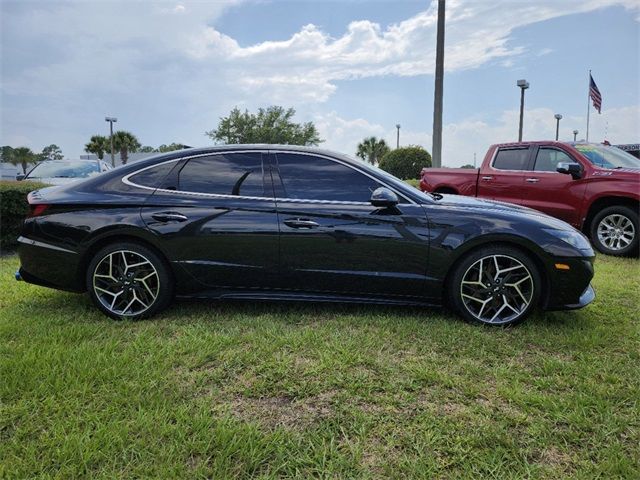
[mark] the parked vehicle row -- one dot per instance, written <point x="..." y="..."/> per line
<point x="593" y="187"/>
<point x="258" y="222"/>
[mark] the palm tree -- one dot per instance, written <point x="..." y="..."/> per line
<point x="98" y="144"/>
<point x="125" y="142"/>
<point x="372" y="150"/>
<point x="22" y="156"/>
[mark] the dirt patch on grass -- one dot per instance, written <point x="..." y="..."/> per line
<point x="555" y="459"/>
<point x="282" y="411"/>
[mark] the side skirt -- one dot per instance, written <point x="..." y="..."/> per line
<point x="306" y="297"/>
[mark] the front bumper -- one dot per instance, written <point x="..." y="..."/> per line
<point x="570" y="289"/>
<point x="588" y="296"/>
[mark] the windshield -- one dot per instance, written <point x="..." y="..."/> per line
<point x="607" y="157"/>
<point x="65" y="169"/>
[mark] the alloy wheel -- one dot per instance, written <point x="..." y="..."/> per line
<point x="616" y="232"/>
<point x="497" y="289"/>
<point x="126" y="283"/>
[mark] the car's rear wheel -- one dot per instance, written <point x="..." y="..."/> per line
<point x="495" y="286"/>
<point x="615" y="231"/>
<point x="128" y="280"/>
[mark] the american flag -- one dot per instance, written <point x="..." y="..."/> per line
<point x="594" y="93"/>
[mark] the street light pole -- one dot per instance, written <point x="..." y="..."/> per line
<point x="398" y="136"/>
<point x="575" y="134"/>
<point x="558" y="117"/>
<point x="523" y="84"/>
<point x="111" y="121"/>
<point x="436" y="154"/>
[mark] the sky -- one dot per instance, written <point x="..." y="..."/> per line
<point x="169" y="70"/>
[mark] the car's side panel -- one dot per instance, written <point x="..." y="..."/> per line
<point x="357" y="249"/>
<point x="222" y="241"/>
<point x="554" y="193"/>
<point x="350" y="247"/>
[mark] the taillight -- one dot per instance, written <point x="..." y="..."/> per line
<point x="37" y="209"/>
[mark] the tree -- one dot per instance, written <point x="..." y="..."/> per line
<point x="6" y="154"/>
<point x="170" y="148"/>
<point x="125" y="142"/>
<point x="372" y="150"/>
<point x="98" y="145"/>
<point x="22" y="156"/>
<point x="147" y="149"/>
<point x="406" y="162"/>
<point x="52" y="152"/>
<point x="270" y="125"/>
<point x="468" y="165"/>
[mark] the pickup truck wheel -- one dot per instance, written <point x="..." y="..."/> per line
<point x="614" y="231"/>
<point x="495" y="286"/>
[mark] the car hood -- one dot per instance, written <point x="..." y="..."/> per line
<point x="493" y="206"/>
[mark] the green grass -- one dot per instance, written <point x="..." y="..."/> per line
<point x="219" y="390"/>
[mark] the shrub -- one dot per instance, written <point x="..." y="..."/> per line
<point x="414" y="182"/>
<point x="406" y="162"/>
<point x="13" y="209"/>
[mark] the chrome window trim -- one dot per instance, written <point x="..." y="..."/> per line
<point x="126" y="180"/>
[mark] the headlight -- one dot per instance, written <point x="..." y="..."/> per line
<point x="573" y="238"/>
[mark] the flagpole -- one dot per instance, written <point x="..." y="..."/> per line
<point x="588" y="103"/>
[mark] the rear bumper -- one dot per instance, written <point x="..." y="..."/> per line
<point x="48" y="265"/>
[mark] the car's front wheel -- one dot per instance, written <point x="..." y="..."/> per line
<point x="614" y="231"/>
<point x="495" y="286"/>
<point x="128" y="280"/>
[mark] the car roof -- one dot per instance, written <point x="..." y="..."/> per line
<point x="188" y="152"/>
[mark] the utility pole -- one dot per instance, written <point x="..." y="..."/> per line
<point x="558" y="117"/>
<point x="111" y="121"/>
<point x="436" y="154"/>
<point x="398" y="136"/>
<point x="523" y="84"/>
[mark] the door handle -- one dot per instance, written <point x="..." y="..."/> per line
<point x="533" y="180"/>
<point x="487" y="178"/>
<point x="300" y="223"/>
<point x="169" y="217"/>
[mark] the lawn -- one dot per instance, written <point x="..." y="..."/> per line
<point x="219" y="390"/>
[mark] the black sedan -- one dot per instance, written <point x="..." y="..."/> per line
<point x="260" y="222"/>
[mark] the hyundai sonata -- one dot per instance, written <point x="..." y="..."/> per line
<point x="266" y="222"/>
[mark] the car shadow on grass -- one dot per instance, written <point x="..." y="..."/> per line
<point x="79" y="306"/>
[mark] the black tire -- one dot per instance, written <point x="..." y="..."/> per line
<point x="520" y="301"/>
<point x="151" y="283"/>
<point x="601" y="226"/>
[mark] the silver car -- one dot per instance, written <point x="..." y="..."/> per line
<point x="61" y="172"/>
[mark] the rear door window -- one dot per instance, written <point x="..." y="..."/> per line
<point x="236" y="174"/>
<point x="511" y="159"/>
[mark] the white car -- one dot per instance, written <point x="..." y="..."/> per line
<point x="62" y="172"/>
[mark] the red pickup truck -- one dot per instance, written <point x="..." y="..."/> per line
<point x="594" y="187"/>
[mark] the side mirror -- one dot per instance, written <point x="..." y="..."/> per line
<point x="20" y="176"/>
<point x="573" y="169"/>
<point x="383" y="197"/>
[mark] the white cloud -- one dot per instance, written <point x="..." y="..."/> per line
<point x="477" y="32"/>
<point x="462" y="139"/>
<point x="165" y="70"/>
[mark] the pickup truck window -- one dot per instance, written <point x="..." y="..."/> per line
<point x="607" y="157"/>
<point x="511" y="159"/>
<point x="547" y="159"/>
